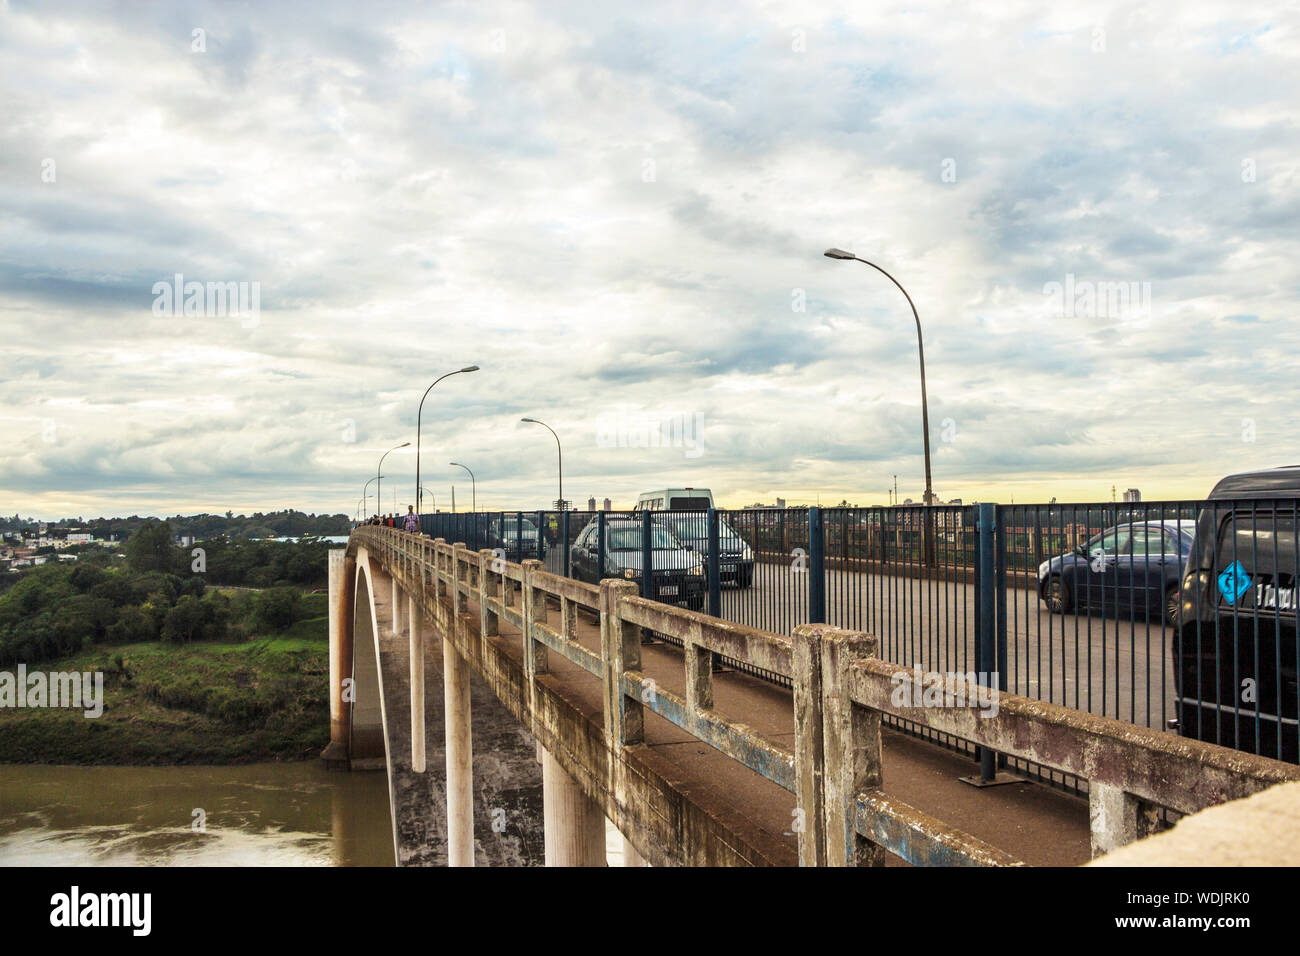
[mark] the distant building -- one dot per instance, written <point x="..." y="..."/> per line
<point x="608" y="505"/>
<point x="1132" y="495"/>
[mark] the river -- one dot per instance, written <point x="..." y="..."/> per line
<point x="284" y="814"/>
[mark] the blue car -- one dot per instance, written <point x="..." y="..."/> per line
<point x="1130" y="569"/>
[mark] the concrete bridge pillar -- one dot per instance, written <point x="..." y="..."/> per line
<point x="341" y="610"/>
<point x="574" y="823"/>
<point x="415" y="621"/>
<point x="631" y="856"/>
<point x="460" y="758"/>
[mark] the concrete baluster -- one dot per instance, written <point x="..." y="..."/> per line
<point x="851" y="748"/>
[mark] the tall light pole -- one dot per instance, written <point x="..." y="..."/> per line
<point x="379" y="502"/>
<point x="419" y="414"/>
<point x="473" y="487"/>
<point x="920" y="347"/>
<point x="558" y="452"/>
<point x="365" y="493"/>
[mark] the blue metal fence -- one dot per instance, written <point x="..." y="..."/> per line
<point x="1076" y="604"/>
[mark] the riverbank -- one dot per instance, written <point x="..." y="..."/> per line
<point x="205" y="703"/>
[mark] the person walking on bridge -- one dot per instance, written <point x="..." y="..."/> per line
<point x="411" y="522"/>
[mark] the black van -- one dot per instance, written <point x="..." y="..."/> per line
<point x="1235" y="649"/>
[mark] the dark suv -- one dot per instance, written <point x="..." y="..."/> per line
<point x="1234" y="654"/>
<point x="677" y="572"/>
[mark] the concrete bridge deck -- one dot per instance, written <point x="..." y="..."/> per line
<point x="1030" y="821"/>
<point x="792" y="776"/>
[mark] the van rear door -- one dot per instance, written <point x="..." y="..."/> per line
<point x="1254" y="599"/>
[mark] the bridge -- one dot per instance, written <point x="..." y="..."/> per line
<point x="565" y="705"/>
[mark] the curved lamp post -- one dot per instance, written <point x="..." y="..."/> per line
<point x="920" y="347"/>
<point x="379" y="502"/>
<point x="419" y="414"/>
<point x="365" y="493"/>
<point x="558" y="452"/>
<point x="473" y="488"/>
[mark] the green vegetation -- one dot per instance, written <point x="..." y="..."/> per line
<point x="260" y="700"/>
<point x="218" y="658"/>
<point x="272" y="524"/>
<point x="157" y="592"/>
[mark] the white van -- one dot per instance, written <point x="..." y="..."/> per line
<point x="675" y="499"/>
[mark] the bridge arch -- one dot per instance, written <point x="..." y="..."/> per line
<point x="368" y="718"/>
<point x="376" y="625"/>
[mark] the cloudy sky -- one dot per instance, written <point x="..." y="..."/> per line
<point x="620" y="216"/>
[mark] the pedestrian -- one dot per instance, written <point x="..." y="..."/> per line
<point x="411" y="522"/>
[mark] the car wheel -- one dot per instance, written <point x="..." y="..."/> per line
<point x="1057" y="595"/>
<point x="744" y="579"/>
<point x="1173" y="606"/>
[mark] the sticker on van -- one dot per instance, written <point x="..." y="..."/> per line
<point x="1234" y="582"/>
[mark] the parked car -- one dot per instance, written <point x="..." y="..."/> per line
<point x="677" y="573"/>
<point x="735" y="559"/>
<point x="1234" y="654"/>
<point x="505" y="533"/>
<point x="1133" y="568"/>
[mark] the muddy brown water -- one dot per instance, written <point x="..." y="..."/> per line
<point x="287" y="814"/>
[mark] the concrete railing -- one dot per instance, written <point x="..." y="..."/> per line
<point x="841" y="690"/>
<point x="1132" y="772"/>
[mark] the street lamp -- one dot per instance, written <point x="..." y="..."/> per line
<point x="379" y="502"/>
<point x="365" y="493"/>
<point x="558" y="452"/>
<point x="920" y="346"/>
<point x="418" y="416"/>
<point x="473" y="488"/>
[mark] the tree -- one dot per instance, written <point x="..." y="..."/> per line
<point x="276" y="609"/>
<point x="194" y="620"/>
<point x="132" y="626"/>
<point x="151" y="548"/>
<point x="86" y="576"/>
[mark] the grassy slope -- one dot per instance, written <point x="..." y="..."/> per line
<point x="203" y="703"/>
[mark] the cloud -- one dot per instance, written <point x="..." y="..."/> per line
<point x="626" y="208"/>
